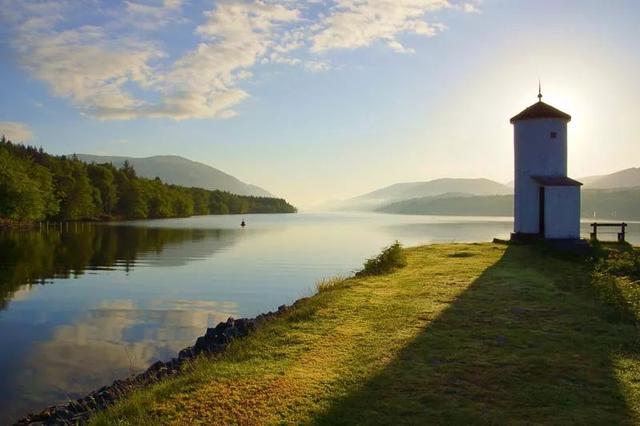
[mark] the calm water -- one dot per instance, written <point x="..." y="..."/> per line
<point x="85" y="304"/>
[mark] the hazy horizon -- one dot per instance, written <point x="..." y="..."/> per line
<point x="317" y="101"/>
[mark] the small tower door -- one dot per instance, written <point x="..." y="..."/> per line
<point x="541" y="212"/>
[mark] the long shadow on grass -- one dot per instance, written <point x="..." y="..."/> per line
<point x="513" y="348"/>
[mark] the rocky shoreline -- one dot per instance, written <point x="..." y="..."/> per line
<point x="215" y="340"/>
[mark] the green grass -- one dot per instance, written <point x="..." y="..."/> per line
<point x="466" y="333"/>
<point x="616" y="280"/>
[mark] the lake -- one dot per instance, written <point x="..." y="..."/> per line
<point x="84" y="304"/>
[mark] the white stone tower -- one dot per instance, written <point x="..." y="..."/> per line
<point x="546" y="201"/>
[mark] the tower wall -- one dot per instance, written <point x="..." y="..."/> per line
<point x="562" y="212"/>
<point x="536" y="153"/>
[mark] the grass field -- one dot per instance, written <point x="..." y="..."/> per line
<point x="465" y="333"/>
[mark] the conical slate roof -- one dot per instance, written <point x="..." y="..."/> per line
<point x="540" y="110"/>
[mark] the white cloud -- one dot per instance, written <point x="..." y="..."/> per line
<point x="359" y="23"/>
<point x="15" y="132"/>
<point x="317" y="66"/>
<point x="90" y="69"/>
<point x="472" y="6"/>
<point x="152" y="16"/>
<point x="202" y="82"/>
<point x="115" y="69"/>
<point x="95" y="69"/>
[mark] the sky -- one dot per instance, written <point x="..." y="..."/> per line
<point x="321" y="100"/>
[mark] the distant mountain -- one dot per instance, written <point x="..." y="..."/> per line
<point x="487" y="197"/>
<point x="485" y="205"/>
<point x="441" y="188"/>
<point x="588" y="180"/>
<point x="181" y="171"/>
<point x="608" y="204"/>
<point x="627" y="178"/>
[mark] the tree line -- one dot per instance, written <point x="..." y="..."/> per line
<point x="36" y="186"/>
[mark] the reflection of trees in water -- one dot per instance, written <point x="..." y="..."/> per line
<point x="29" y="257"/>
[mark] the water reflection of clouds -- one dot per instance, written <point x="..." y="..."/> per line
<point x="22" y="293"/>
<point x="193" y="305"/>
<point x="112" y="340"/>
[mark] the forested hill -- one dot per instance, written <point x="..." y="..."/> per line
<point x="181" y="171"/>
<point x="36" y="186"/>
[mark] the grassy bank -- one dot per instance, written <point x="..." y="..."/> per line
<point x="478" y="333"/>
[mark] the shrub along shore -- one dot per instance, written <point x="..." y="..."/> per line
<point x="464" y="333"/>
<point x="36" y="186"/>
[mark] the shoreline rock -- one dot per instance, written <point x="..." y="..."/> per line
<point x="215" y="340"/>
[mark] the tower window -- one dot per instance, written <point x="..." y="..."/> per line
<point x="554" y="135"/>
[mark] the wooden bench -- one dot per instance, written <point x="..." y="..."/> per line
<point x="621" y="234"/>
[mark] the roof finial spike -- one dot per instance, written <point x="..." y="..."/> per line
<point x="539" y="91"/>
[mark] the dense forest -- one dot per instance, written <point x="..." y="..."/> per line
<point x="608" y="204"/>
<point x="36" y="186"/>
